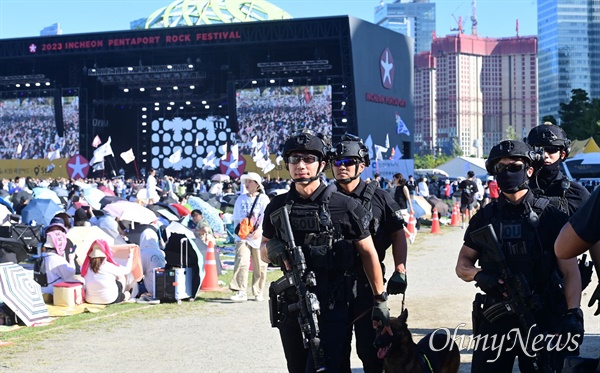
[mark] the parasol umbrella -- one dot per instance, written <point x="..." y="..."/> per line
<point x="181" y="209"/>
<point x="131" y="211"/>
<point x="220" y="177"/>
<point x="21" y="195"/>
<point x="83" y="237"/>
<point x="6" y="203"/>
<point x="45" y="193"/>
<point x="22" y="294"/>
<point x="209" y="213"/>
<point x="168" y="207"/>
<point x="61" y="192"/>
<point x="12" y="250"/>
<point x="106" y="190"/>
<point x="422" y="207"/>
<point x="4" y="214"/>
<point x="163" y="211"/>
<point x="93" y="197"/>
<point x="107" y="200"/>
<point x="230" y="199"/>
<point x="40" y="210"/>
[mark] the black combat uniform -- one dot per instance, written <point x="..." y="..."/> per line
<point x="386" y="220"/>
<point x="329" y="253"/>
<point x="548" y="180"/>
<point x="563" y="193"/>
<point x="529" y="251"/>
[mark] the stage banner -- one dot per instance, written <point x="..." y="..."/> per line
<point x="36" y="168"/>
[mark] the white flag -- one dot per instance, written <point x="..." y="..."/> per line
<point x="387" y="141"/>
<point x="278" y="159"/>
<point x="54" y="155"/>
<point x="128" y="156"/>
<point x="268" y="167"/>
<point x="102" y="151"/>
<point x="19" y="149"/>
<point x="175" y="157"/>
<point x="223" y="150"/>
<point x="209" y="161"/>
<point x="378" y="151"/>
<point x="254" y="142"/>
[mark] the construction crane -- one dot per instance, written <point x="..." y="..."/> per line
<point x="459" y="27"/>
<point x="474" y="18"/>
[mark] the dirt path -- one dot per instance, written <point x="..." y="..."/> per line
<point x="220" y="336"/>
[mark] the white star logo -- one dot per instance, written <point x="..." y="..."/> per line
<point x="32" y="48"/>
<point x="387" y="68"/>
<point x="77" y="167"/>
<point x="232" y="166"/>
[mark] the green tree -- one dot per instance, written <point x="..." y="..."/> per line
<point x="510" y="133"/>
<point x="579" y="117"/>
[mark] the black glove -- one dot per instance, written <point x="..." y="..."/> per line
<point x="489" y="284"/>
<point x="572" y="322"/>
<point x="595" y="298"/>
<point x="276" y="251"/>
<point x="381" y="313"/>
<point x="397" y="283"/>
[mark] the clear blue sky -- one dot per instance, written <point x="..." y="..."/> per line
<point x="24" y="18"/>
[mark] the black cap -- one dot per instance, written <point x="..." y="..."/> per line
<point x="510" y="149"/>
<point x="351" y="146"/>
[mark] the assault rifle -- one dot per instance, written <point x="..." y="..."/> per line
<point x="519" y="293"/>
<point x="308" y="306"/>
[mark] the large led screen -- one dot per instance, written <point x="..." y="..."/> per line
<point x="273" y="113"/>
<point x="28" y="128"/>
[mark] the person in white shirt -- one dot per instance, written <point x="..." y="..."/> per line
<point x="152" y="188"/>
<point x="423" y="188"/>
<point x="251" y="204"/>
<point x="104" y="278"/>
<point x="152" y="257"/>
<point x="58" y="269"/>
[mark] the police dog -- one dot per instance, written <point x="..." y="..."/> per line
<point x="401" y="355"/>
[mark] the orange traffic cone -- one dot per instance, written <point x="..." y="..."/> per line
<point x="435" y="222"/>
<point x="411" y="227"/>
<point x="211" y="280"/>
<point x="455" y="220"/>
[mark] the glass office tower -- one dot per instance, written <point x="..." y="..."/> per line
<point x="414" y="18"/>
<point x="569" y="51"/>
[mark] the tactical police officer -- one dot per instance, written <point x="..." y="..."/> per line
<point x="527" y="290"/>
<point x="310" y="304"/>
<point x="548" y="180"/>
<point x="348" y="159"/>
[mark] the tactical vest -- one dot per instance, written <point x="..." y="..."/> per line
<point x="559" y="201"/>
<point x="327" y="253"/>
<point x="522" y="247"/>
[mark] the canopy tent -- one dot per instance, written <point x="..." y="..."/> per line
<point x="459" y="166"/>
<point x="584" y="146"/>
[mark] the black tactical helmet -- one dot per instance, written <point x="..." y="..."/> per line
<point x="307" y="141"/>
<point x="351" y="146"/>
<point x="510" y="149"/>
<point x="549" y="134"/>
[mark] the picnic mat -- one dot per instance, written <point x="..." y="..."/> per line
<point x="58" y="311"/>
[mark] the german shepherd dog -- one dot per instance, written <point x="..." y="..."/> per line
<point x="401" y="355"/>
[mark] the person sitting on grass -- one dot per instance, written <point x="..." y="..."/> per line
<point x="58" y="268"/>
<point x="104" y="278"/>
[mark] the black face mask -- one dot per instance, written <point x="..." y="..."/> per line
<point x="549" y="172"/>
<point x="511" y="182"/>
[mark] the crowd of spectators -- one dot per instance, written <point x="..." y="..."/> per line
<point x="30" y="122"/>
<point x="273" y="114"/>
